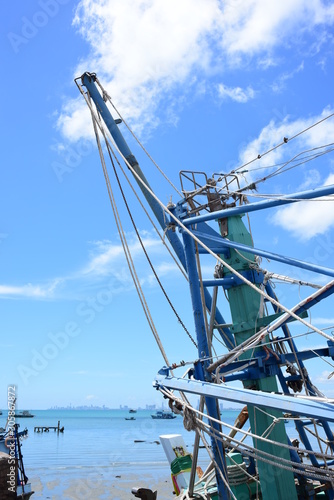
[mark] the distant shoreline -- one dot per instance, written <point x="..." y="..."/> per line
<point x="105" y="408"/>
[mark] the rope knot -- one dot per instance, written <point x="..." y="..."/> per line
<point x="189" y="419"/>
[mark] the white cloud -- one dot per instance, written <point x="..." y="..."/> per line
<point x="106" y="257"/>
<point x="90" y="397"/>
<point x="141" y="50"/>
<point x="323" y="321"/>
<point x="106" y="268"/>
<point x="235" y="93"/>
<point x="257" y="26"/>
<point x="75" y="120"/>
<point x="144" y="50"/>
<point x="307" y="219"/>
<point x="311" y="179"/>
<point x="324" y="378"/>
<point x="279" y="84"/>
<point x="30" y="291"/>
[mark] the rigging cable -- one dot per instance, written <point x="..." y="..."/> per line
<point x="162" y="238"/>
<point x="254" y="169"/>
<point x="300" y="468"/>
<point x="252" y="435"/>
<point x="285" y="141"/>
<point x="282" y="170"/>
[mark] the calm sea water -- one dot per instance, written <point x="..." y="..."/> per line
<point x="98" y="442"/>
<point x="99" y="438"/>
<point x="94" y="438"/>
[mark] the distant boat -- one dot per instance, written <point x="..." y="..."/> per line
<point x="163" y="415"/>
<point x="24" y="414"/>
<point x="130" y="418"/>
<point x="132" y="411"/>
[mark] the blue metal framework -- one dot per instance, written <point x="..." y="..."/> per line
<point x="262" y="365"/>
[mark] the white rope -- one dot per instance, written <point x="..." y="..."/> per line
<point x="126" y="249"/>
<point x="298" y="468"/>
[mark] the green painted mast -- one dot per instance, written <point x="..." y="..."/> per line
<point x="276" y="483"/>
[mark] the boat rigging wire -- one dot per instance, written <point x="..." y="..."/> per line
<point x="285" y="141"/>
<point x="282" y="170"/>
<point x="294" y="159"/>
<point x="162" y="238"/>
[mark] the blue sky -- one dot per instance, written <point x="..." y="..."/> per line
<point x="207" y="86"/>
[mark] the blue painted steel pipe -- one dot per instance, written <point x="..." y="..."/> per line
<point x="221" y="282"/>
<point x="88" y="80"/>
<point x="224" y="332"/>
<point x="273" y="256"/>
<point x="202" y="342"/>
<point x="203" y="351"/>
<point x="260" y="205"/>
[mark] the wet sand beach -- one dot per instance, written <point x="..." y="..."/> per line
<point x="100" y="484"/>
